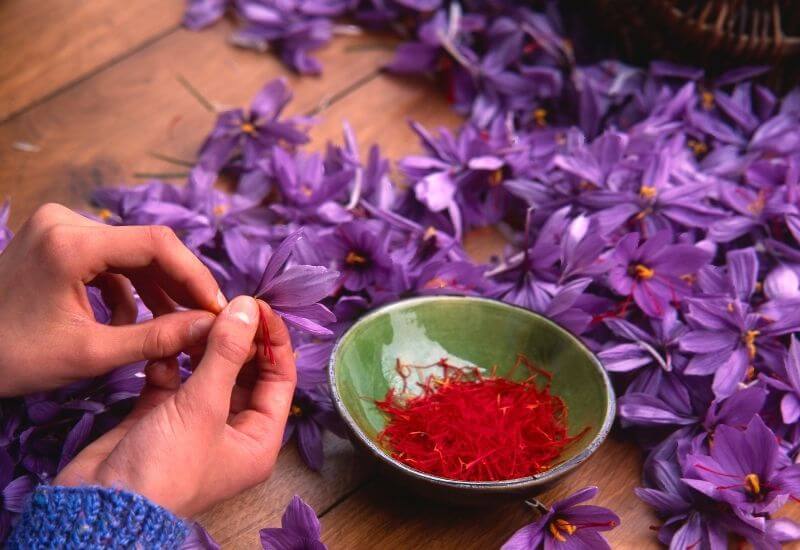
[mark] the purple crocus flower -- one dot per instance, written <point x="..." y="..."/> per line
<point x="308" y="189"/>
<point x="692" y="519"/>
<point x="294" y="291"/>
<point x="252" y="133"/>
<point x="745" y="469"/>
<point x="299" y="530"/>
<point x="728" y="333"/>
<point x="312" y="413"/>
<point x="656" y="349"/>
<point x="359" y="249"/>
<point x="567" y="525"/>
<point x="13" y="493"/>
<point x="461" y="175"/>
<point x="653" y="272"/>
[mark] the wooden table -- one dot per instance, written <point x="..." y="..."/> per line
<point x="89" y="89"/>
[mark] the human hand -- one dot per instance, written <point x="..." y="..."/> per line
<point x="186" y="447"/>
<point x="49" y="334"/>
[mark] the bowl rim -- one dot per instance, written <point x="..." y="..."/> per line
<point x="518" y="483"/>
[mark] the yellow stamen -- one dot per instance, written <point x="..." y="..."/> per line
<point x="105" y="214"/>
<point x="430" y="233"/>
<point x="559" y="526"/>
<point x="248" y="128"/>
<point x="698" y="147"/>
<point x="354" y="258"/>
<point x="220" y="209"/>
<point x="540" y="116"/>
<point x="436" y="282"/>
<point x="757" y="206"/>
<point x="296" y="411"/>
<point x="730" y="307"/>
<point x="752" y="484"/>
<point x="750" y="373"/>
<point x="689" y="279"/>
<point x="644" y="272"/>
<point x="750" y="342"/>
<point x="707" y="98"/>
<point x="648" y="192"/>
<point x="496" y="177"/>
<point x="643" y="214"/>
<point x="306" y="190"/>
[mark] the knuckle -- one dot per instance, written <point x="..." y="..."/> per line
<point x="57" y="245"/>
<point x="46" y="215"/>
<point x="162" y="236"/>
<point x="231" y="348"/>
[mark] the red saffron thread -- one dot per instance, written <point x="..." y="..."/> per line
<point x="468" y="426"/>
<point x="267" y="341"/>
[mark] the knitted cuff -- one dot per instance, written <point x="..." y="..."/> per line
<point x="94" y="517"/>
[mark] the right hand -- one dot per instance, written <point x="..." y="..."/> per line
<point x="48" y="332"/>
<point x="187" y="447"/>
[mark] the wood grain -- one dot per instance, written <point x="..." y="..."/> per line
<point x="404" y="521"/>
<point x="101" y="131"/>
<point x="235" y="523"/>
<point x="48" y="44"/>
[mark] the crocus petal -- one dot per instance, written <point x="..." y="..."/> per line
<point x="300" y="519"/>
<point x="309" y="443"/>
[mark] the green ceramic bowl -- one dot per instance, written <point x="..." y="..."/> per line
<point x="473" y="331"/>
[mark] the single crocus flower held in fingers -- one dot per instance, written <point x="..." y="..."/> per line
<point x="294" y="292"/>
<point x="567" y="526"/>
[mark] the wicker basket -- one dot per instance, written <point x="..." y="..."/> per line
<point x="717" y="34"/>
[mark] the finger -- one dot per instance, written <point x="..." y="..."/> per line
<point x="176" y="269"/>
<point x="162" y="375"/>
<point x="162" y="337"/>
<point x="228" y="347"/>
<point x="117" y="294"/>
<point x="266" y="415"/>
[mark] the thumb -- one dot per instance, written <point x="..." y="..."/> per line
<point x="227" y="350"/>
<point x="159" y="338"/>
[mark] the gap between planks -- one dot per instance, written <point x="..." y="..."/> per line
<point x="90" y="74"/>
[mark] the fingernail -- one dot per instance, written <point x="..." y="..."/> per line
<point x="221" y="300"/>
<point x="244" y="308"/>
<point x="199" y="329"/>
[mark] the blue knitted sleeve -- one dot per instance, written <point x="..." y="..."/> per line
<point x="94" y="517"/>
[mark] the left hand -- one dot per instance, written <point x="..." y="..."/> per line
<point x="186" y="447"/>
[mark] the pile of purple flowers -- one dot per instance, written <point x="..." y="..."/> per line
<point x="654" y="212"/>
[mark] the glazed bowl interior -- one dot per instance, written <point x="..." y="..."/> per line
<point x="467" y="331"/>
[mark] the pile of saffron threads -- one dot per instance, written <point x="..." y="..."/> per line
<point x="470" y="427"/>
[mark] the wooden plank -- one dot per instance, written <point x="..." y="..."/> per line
<point x="100" y="131"/>
<point x="236" y="522"/>
<point x="380" y="515"/>
<point x="47" y="45"/>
